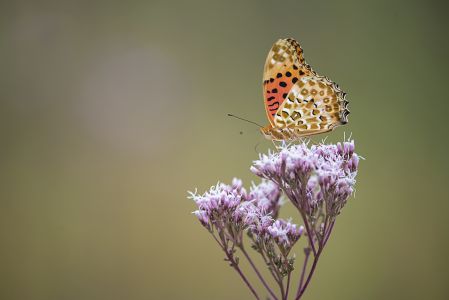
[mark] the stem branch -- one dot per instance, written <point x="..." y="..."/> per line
<point x="288" y="285"/>
<point x="258" y="273"/>
<point x="309" y="233"/>
<point x="304" y="268"/>
<point x="309" y="277"/>
<point x="235" y="265"/>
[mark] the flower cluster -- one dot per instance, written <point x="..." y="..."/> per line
<point x="230" y="208"/>
<point x="317" y="179"/>
<point x="285" y="233"/>
<point x="224" y="205"/>
<point x="274" y="239"/>
<point x="311" y="176"/>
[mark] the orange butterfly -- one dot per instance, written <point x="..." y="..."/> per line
<point x="298" y="101"/>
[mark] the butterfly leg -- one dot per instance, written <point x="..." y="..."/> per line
<point x="279" y="146"/>
<point x="310" y="140"/>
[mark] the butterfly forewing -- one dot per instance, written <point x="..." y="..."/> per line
<point x="283" y="68"/>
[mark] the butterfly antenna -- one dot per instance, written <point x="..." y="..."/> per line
<point x="231" y="115"/>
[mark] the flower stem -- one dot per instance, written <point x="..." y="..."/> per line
<point x="277" y="276"/>
<point x="288" y="285"/>
<point x="235" y="266"/>
<point x="301" y="287"/>
<point x="329" y="231"/>
<point x="304" y="268"/>
<point x="309" y="233"/>
<point x="309" y="277"/>
<point x="268" y="263"/>
<point x="257" y="272"/>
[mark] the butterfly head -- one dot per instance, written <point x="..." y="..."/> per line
<point x="266" y="131"/>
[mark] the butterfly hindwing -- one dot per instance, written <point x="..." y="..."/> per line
<point x="313" y="105"/>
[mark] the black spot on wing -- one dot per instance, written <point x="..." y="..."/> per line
<point x="273" y="106"/>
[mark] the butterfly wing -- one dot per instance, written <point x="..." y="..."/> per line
<point x="284" y="67"/>
<point x="314" y="105"/>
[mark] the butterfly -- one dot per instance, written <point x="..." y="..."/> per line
<point x="298" y="101"/>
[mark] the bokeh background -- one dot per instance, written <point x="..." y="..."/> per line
<point x="111" y="110"/>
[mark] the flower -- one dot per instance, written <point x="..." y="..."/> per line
<point x="230" y="209"/>
<point x="266" y="197"/>
<point x="312" y="175"/>
<point x="203" y="217"/>
<point x="221" y="204"/>
<point x="285" y="233"/>
<point x="317" y="179"/>
<point x="259" y="228"/>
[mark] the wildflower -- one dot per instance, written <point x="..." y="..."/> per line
<point x="267" y="197"/>
<point x="311" y="175"/>
<point x="317" y="179"/>
<point x="225" y="208"/>
<point x="285" y="233"/>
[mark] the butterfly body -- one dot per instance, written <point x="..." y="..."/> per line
<point x="298" y="101"/>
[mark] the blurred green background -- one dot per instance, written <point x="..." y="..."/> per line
<point x="111" y="110"/>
